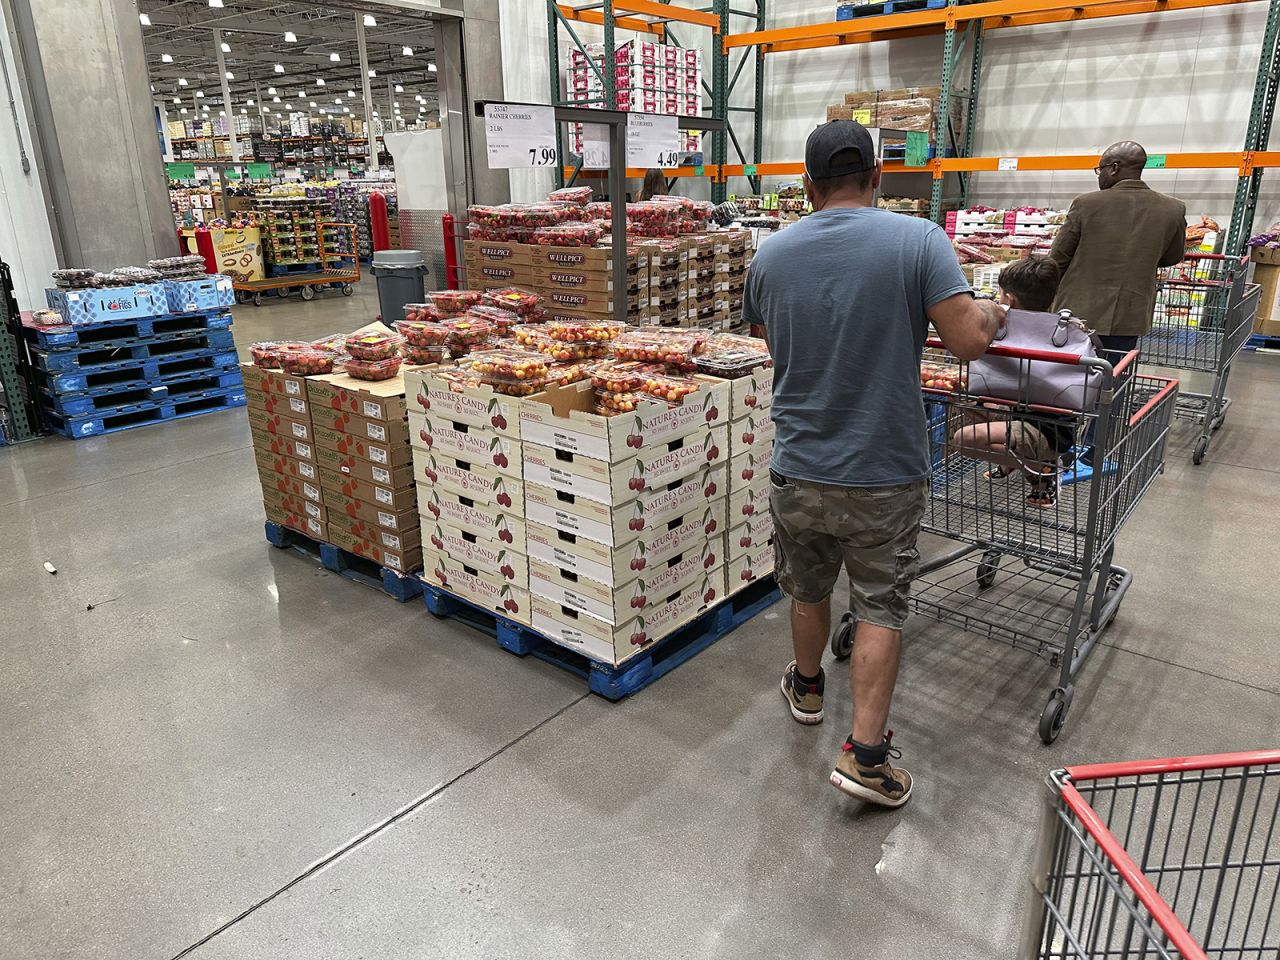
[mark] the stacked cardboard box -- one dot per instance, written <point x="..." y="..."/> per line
<point x="750" y="524"/>
<point x="284" y="447"/>
<point x="469" y="469"/>
<point x="363" y="460"/>
<point x="576" y="283"/>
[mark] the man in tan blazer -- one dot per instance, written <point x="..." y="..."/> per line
<point x="1110" y="247"/>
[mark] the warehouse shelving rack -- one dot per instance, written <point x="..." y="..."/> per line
<point x="963" y="24"/>
<point x="656" y="17"/>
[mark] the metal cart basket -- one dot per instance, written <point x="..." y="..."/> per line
<point x="1203" y="317"/>
<point x="1037" y="577"/>
<point x="1160" y="859"/>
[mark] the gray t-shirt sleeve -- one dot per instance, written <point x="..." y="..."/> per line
<point x="940" y="273"/>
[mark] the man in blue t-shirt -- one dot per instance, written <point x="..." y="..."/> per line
<point x="845" y="297"/>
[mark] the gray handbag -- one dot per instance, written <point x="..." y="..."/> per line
<point x="1010" y="370"/>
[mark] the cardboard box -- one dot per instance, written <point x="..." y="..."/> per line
<point x="487" y="556"/>
<point x="384" y="454"/>
<point x="381" y="400"/>
<point x="386" y="498"/>
<point x="288" y="503"/>
<point x="643" y="477"/>
<point x="282" y="445"/>
<point x="750" y="567"/>
<point x="480" y="406"/>
<point x="401" y="561"/>
<point x="563" y="418"/>
<point x="394" y="433"/>
<point x="293" y="486"/>
<point x="274" y="424"/>
<point x="615" y="644"/>
<point x="360" y="469"/>
<point x="503" y="599"/>
<point x="749" y="467"/>
<point x="744" y="537"/>
<point x="468" y="479"/>
<point x="340" y="505"/>
<point x="397" y="541"/>
<point x="614" y="526"/>
<point x="749" y="500"/>
<point x="484" y="519"/>
<point x="315" y="529"/>
<point x="294" y="408"/>
<point x="649" y="588"/>
<point x="466" y="442"/>
<point x="754" y="431"/>
<point x="287" y="466"/>
<point x="497" y="252"/>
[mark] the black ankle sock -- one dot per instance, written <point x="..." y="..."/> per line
<point x="870" y="756"/>
<point x="810" y="681"/>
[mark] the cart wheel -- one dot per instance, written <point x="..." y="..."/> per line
<point x="348" y="290"/>
<point x="257" y="299"/>
<point x="1197" y="455"/>
<point x="987" y="568"/>
<point x="1053" y="716"/>
<point x="842" y="638"/>
<point x="308" y="293"/>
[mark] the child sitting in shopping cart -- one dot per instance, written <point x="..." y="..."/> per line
<point x="1030" y="445"/>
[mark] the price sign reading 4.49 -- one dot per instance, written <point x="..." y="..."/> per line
<point x="519" y="136"/>
<point x="652" y="140"/>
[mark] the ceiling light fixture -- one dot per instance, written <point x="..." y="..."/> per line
<point x="369" y="21"/>
<point x="278" y="68"/>
<point x="334" y="58"/>
<point x="290" y="37"/>
<point x="226" y="47"/>
<point x="144" y="20"/>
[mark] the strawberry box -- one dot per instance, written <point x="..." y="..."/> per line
<point x="487" y="556"/>
<point x="504" y="599"/>
<point x="616" y="643"/>
<point x="293" y="486"/>
<point x="614" y="604"/>
<point x="563" y="418"/>
<point x="748" y="468"/>
<point x="468" y="479"/>
<point x="372" y="400"/>
<point x="390" y="432"/>
<point x="462" y="441"/>
<point x="749" y="500"/>
<point x="352" y="466"/>
<point x="752" y="432"/>
<point x="477" y="405"/>
<point x="384" y="454"/>
<point x="388" y="498"/>
<point x="482" y="518"/>
<point x="612" y="526"/>
<point x="340" y="505"/>
<point x="275" y="424"/>
<point x="289" y="503"/>
<point x="751" y="566"/>
<point x="744" y="537"/>
<point x="657" y="470"/>
<point x="286" y="446"/>
<point x="286" y="466"/>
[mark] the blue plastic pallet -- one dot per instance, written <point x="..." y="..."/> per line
<point x="401" y="587"/>
<point x="144" y="415"/>
<point x="109" y="331"/>
<point x="610" y="682"/>
<point x="112" y="400"/>
<point x="200" y="363"/>
<point x="170" y="346"/>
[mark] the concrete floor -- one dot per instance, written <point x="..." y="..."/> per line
<point x="178" y="760"/>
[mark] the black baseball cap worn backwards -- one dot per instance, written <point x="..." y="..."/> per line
<point x="832" y="138"/>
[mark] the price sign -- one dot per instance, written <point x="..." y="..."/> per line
<point x="519" y="137"/>
<point x="652" y="140"/>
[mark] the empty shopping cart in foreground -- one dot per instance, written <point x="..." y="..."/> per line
<point x="1038" y="578"/>
<point x="1160" y="859"/>
<point x="1203" y="318"/>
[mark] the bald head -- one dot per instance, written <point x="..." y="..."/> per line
<point x="1121" y="161"/>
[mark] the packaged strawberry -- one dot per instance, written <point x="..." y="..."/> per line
<point x="372" y="347"/>
<point x="383" y="369"/>
<point x="422" y="333"/>
<point x="516" y="300"/>
<point x="578" y="195"/>
<point x="569" y="234"/>
<point x="307" y="363"/>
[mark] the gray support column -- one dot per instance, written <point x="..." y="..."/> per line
<point x="90" y="99"/>
<point x="367" y="90"/>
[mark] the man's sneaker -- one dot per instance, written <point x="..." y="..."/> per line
<point x="805" y="698"/>
<point x="874" y="779"/>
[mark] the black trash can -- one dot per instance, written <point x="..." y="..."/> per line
<point x="400" y="275"/>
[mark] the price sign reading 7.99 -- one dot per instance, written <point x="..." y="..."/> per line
<point x="520" y="136"/>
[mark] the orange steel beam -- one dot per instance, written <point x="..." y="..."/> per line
<point x="623" y="23"/>
<point x="667" y="11"/>
<point x="995" y="14"/>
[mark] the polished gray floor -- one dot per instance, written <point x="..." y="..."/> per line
<point x="243" y="756"/>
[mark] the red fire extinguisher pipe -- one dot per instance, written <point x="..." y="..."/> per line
<point x="378" y="225"/>
<point x="452" y="279"/>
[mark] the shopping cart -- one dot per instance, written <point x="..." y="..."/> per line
<point x="1203" y="317"/>
<point x="1058" y="589"/>
<point x="1160" y="859"/>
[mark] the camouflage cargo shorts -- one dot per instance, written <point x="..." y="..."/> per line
<point x="871" y="531"/>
